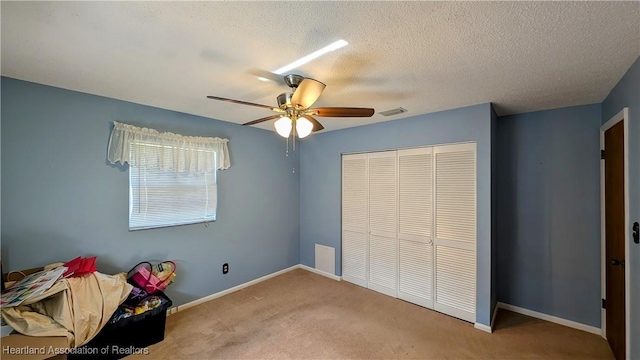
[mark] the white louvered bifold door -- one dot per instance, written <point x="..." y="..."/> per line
<point x="354" y="219"/>
<point x="383" y="219"/>
<point x="455" y="230"/>
<point x="415" y="245"/>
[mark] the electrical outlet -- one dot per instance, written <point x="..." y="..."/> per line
<point x="225" y="268"/>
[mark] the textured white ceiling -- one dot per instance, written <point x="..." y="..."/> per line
<point x="423" y="56"/>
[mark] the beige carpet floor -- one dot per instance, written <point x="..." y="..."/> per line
<point x="301" y="315"/>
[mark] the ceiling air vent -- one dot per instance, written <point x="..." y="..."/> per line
<point x="392" y="112"/>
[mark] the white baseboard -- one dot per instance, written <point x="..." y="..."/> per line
<point x="550" y="318"/>
<point x="175" y="309"/>
<point x="320" y="272"/>
<point x="483" y="327"/>
<point x="229" y="291"/>
<point x="486" y="328"/>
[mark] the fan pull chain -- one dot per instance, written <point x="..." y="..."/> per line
<point x="293" y="138"/>
<point x="287" y="149"/>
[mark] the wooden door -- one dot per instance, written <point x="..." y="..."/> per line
<point x="415" y="216"/>
<point x="383" y="220"/>
<point x="354" y="219"/>
<point x="455" y="230"/>
<point x="614" y="238"/>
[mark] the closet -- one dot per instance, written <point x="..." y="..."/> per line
<point x="409" y="225"/>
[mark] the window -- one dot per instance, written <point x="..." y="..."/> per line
<point x="159" y="198"/>
<point x="172" y="177"/>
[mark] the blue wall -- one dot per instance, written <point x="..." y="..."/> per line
<point x="320" y="179"/>
<point x="494" y="211"/>
<point x="627" y="94"/>
<point x="549" y="212"/>
<point x="62" y="199"/>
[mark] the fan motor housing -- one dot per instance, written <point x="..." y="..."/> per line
<point x="293" y="80"/>
<point x="284" y="99"/>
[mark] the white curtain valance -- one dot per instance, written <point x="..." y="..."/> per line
<point x="167" y="151"/>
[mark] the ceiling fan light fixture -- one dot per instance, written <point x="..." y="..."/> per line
<point x="294" y="108"/>
<point x="303" y="127"/>
<point x="283" y="126"/>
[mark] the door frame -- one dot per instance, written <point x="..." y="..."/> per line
<point x="620" y="116"/>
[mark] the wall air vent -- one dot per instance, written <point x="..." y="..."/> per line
<point x="392" y="112"/>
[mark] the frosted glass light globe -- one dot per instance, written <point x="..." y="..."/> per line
<point x="283" y="126"/>
<point x="303" y="127"/>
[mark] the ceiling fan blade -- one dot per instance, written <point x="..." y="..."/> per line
<point x="307" y="93"/>
<point x="268" y="75"/>
<point x="262" y="120"/>
<point x="241" y="102"/>
<point x="316" y="124"/>
<point x="342" y="112"/>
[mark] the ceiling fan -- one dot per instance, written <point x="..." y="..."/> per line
<point x="294" y="108"/>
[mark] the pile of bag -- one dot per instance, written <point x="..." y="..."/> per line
<point x="152" y="278"/>
<point x="148" y="283"/>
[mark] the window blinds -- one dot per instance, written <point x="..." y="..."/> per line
<point x="159" y="198"/>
